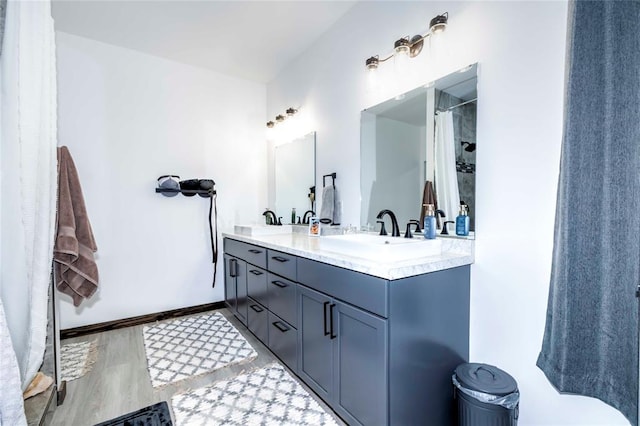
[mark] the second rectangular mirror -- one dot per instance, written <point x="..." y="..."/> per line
<point x="295" y="175"/>
<point x="426" y="134"/>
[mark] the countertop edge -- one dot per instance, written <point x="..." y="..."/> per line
<point x="305" y="246"/>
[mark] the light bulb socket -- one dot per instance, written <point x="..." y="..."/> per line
<point x="402" y="45"/>
<point x="416" y="44"/>
<point x="291" y="111"/>
<point x="280" y="118"/>
<point x="439" y="23"/>
<point x="372" y="63"/>
<point x="270" y="124"/>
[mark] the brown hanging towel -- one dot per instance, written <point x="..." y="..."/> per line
<point x="75" y="268"/>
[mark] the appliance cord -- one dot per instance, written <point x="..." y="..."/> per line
<point x="213" y="218"/>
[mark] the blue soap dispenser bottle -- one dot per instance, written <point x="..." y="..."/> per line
<point x="462" y="221"/>
<point x="430" y="222"/>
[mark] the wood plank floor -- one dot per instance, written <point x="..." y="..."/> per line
<point x="119" y="382"/>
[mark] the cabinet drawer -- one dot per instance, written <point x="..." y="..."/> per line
<point x="257" y="284"/>
<point x="283" y="341"/>
<point x="361" y="290"/>
<point x="282" y="298"/>
<point x="258" y="321"/>
<point x="282" y="264"/>
<point x="253" y="254"/>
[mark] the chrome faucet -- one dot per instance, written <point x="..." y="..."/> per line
<point x="395" y="230"/>
<point x="305" y="218"/>
<point x="270" y="217"/>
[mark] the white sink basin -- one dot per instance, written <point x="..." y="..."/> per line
<point x="381" y="248"/>
<point x="257" y="230"/>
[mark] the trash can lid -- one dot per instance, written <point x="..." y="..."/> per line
<point x="486" y="378"/>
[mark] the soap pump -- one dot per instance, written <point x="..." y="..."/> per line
<point x="462" y="221"/>
<point x="430" y="222"/>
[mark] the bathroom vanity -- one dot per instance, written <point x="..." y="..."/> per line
<point x="377" y="341"/>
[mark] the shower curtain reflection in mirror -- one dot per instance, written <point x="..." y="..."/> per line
<point x="445" y="166"/>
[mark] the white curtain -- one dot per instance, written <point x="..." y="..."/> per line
<point x="446" y="176"/>
<point x="11" y="405"/>
<point x="28" y="185"/>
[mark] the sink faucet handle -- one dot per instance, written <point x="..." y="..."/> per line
<point x="383" y="231"/>
<point x="407" y="232"/>
<point x="445" y="231"/>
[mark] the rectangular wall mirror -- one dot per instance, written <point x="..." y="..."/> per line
<point x="426" y="134"/>
<point x="295" y="174"/>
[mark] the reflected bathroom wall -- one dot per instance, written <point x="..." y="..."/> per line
<point x="294" y="176"/>
<point x="464" y="129"/>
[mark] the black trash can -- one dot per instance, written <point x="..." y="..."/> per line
<point x="485" y="396"/>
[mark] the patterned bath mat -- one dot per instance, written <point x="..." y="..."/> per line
<point x="192" y="346"/>
<point x="266" y="396"/>
<point x="76" y="359"/>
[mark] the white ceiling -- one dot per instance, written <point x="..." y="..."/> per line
<point x="246" y="39"/>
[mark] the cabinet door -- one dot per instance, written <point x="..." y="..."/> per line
<point x="360" y="358"/>
<point x="242" y="301"/>
<point x="230" y="266"/>
<point x="314" y="342"/>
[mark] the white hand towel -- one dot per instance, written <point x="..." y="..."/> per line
<point x="327" y="209"/>
<point x="331" y="211"/>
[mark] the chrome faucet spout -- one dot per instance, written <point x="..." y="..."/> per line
<point x="395" y="229"/>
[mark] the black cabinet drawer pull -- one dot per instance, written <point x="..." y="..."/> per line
<point x="280" y="326"/>
<point x="324" y="319"/>
<point x="279" y="284"/>
<point x="333" y="336"/>
<point x="280" y="259"/>
<point x="256" y="272"/>
<point x="257" y="308"/>
<point x="254" y="251"/>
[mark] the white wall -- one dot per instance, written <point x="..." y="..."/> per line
<point x="520" y="49"/>
<point x="128" y="118"/>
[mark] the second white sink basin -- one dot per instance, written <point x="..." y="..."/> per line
<point x="381" y="248"/>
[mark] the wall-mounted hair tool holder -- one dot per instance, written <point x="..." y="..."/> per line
<point x="170" y="186"/>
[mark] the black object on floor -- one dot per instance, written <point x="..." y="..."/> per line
<point x="153" y="415"/>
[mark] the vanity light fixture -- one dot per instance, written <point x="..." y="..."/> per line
<point x="290" y="112"/>
<point x="410" y="46"/>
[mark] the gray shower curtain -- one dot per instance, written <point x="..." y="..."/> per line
<point x="590" y="343"/>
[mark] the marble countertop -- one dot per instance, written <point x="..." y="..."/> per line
<point x="455" y="252"/>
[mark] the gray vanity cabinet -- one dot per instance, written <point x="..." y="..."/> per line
<point x="343" y="356"/>
<point x="378" y="351"/>
<point x="235" y="287"/>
